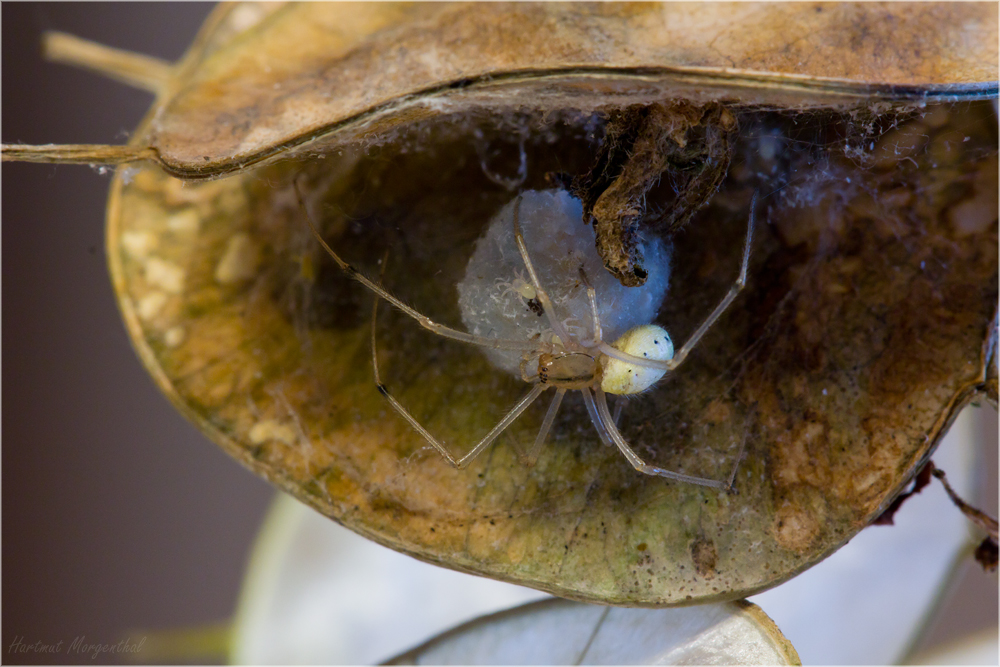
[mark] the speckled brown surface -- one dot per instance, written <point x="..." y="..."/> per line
<point x="267" y="76"/>
<point x="861" y="332"/>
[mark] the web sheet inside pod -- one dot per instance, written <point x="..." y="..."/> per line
<point x="496" y="297"/>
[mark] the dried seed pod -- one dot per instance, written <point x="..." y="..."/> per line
<point x="869" y="318"/>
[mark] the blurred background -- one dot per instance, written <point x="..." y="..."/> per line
<point x="118" y="516"/>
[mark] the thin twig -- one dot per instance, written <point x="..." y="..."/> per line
<point x="978" y="517"/>
<point x="76" y="153"/>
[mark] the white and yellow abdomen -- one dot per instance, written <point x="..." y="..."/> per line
<point x="648" y="341"/>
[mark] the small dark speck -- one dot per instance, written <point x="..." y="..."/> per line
<point x="656" y="342"/>
<point x="645" y="354"/>
<point x="205" y="158"/>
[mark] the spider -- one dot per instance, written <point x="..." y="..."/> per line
<point x="563" y="360"/>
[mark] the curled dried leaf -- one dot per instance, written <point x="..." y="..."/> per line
<point x="685" y="146"/>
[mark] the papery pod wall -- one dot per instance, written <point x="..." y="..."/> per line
<point x="869" y="317"/>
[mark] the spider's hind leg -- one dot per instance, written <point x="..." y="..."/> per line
<point x="620" y="404"/>
<point x="530" y="457"/>
<point x="604" y="415"/>
<point x="470" y="456"/>
<point x="681" y="354"/>
<point x="543" y="432"/>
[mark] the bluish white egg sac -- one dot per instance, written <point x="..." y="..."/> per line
<point x="498" y="301"/>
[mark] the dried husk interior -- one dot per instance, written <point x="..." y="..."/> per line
<point x="864" y="328"/>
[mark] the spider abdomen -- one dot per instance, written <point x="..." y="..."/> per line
<point x="648" y="341"/>
<point x="569" y="370"/>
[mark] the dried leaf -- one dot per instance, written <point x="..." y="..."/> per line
<point x="554" y="632"/>
<point x="868" y="322"/>
<point x="861" y="331"/>
<point x="263" y="77"/>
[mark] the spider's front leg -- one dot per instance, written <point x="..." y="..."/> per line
<point x="541" y="294"/>
<point x="674" y="361"/>
<point x="422" y="320"/>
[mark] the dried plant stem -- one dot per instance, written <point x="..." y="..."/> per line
<point x="976" y="516"/>
<point x="133" y="69"/>
<point x="76" y="153"/>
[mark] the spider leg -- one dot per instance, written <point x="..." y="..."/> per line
<point x="595" y="417"/>
<point x="598" y="339"/>
<point x="592" y="298"/>
<point x="421" y="319"/>
<point x="543" y="296"/>
<point x="681" y="354"/>
<point x="465" y="460"/>
<point x="543" y="432"/>
<point x="638" y="463"/>
<point x="737" y="286"/>
<point x="743" y="447"/>
<point x="619" y="406"/>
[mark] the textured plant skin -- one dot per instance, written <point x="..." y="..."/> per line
<point x="862" y="332"/>
<point x="262" y="78"/>
<point x="686" y="144"/>
<point x="868" y="321"/>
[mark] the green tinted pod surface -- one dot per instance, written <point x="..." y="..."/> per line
<point x="866" y="324"/>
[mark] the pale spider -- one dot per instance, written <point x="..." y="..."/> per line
<point x="632" y="364"/>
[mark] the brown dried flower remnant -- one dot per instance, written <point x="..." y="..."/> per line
<point x="920" y="480"/>
<point x="986" y="552"/>
<point x="688" y="144"/>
